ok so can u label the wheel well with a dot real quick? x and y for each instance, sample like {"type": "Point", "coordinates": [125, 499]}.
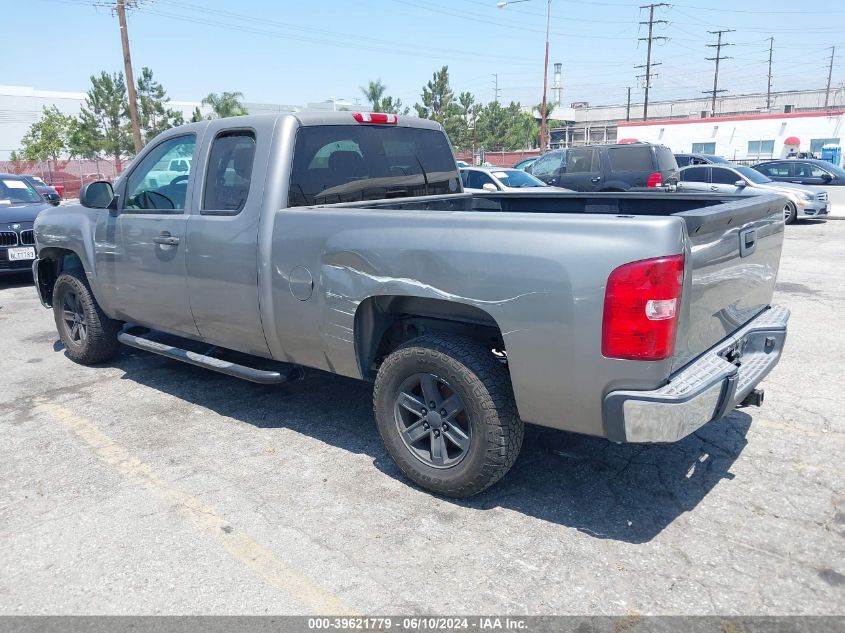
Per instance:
{"type": "Point", "coordinates": [52, 262]}
{"type": "Point", "coordinates": [384, 322]}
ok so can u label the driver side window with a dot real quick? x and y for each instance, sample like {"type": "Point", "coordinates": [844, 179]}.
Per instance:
{"type": "Point", "coordinates": [154, 184]}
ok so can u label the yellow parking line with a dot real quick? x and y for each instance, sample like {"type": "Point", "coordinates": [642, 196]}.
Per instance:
{"type": "Point", "coordinates": [240, 545]}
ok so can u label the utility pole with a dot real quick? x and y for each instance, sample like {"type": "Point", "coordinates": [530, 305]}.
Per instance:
{"type": "Point", "coordinates": [628, 107]}
{"type": "Point", "coordinates": [651, 37]}
{"type": "Point", "coordinates": [130, 80]}
{"type": "Point", "coordinates": [495, 87]}
{"type": "Point", "coordinates": [829, 75]}
{"type": "Point", "coordinates": [769, 89]}
{"type": "Point", "coordinates": [718, 46]}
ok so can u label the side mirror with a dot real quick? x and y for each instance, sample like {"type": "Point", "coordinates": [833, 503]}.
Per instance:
{"type": "Point", "coordinates": [489, 186]}
{"type": "Point", "coordinates": [741, 184]}
{"type": "Point", "coordinates": [827, 177]}
{"type": "Point", "coordinates": [96, 195]}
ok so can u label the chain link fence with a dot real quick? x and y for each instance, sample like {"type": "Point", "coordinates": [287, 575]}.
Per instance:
{"type": "Point", "coordinates": [67, 176]}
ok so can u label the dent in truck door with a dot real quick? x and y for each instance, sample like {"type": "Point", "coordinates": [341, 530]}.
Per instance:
{"type": "Point", "coordinates": [222, 257]}
{"type": "Point", "coordinates": [149, 261]}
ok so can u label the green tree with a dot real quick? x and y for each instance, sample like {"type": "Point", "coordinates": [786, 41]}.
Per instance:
{"type": "Point", "coordinates": [438, 103]}
{"type": "Point", "coordinates": [103, 125]}
{"type": "Point", "coordinates": [393, 106]}
{"type": "Point", "coordinates": [14, 156]}
{"type": "Point", "coordinates": [468, 111]}
{"type": "Point", "coordinates": [522, 129]}
{"type": "Point", "coordinates": [155, 117]}
{"type": "Point", "coordinates": [47, 138]}
{"type": "Point", "coordinates": [225, 105]}
{"type": "Point", "coordinates": [373, 93]}
{"type": "Point", "coordinates": [197, 115]}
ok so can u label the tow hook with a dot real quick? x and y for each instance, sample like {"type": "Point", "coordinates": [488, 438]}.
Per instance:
{"type": "Point", "coordinates": [755, 398]}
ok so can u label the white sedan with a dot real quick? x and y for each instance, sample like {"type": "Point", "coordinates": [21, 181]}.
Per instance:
{"type": "Point", "coordinates": [479, 179]}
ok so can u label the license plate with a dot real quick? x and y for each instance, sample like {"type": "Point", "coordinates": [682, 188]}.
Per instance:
{"type": "Point", "coordinates": [21, 254]}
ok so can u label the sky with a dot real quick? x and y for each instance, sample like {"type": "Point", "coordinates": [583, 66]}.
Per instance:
{"type": "Point", "coordinates": [294, 52]}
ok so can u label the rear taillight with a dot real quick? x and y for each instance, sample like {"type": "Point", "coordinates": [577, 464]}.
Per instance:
{"type": "Point", "coordinates": [654, 180]}
{"type": "Point", "coordinates": [375, 117]}
{"type": "Point", "coordinates": [641, 306]}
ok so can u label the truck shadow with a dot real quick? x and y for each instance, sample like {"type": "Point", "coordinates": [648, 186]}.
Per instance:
{"type": "Point", "coordinates": [622, 492]}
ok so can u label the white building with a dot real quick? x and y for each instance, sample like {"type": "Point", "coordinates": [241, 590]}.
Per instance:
{"type": "Point", "coordinates": [742, 137]}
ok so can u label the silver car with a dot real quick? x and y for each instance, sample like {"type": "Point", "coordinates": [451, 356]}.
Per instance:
{"type": "Point", "coordinates": [478, 179]}
{"type": "Point", "coordinates": [803, 201]}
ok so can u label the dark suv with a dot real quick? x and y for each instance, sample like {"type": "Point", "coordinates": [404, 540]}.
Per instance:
{"type": "Point", "coordinates": [608, 167]}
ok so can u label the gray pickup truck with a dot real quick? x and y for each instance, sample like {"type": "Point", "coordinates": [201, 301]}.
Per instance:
{"type": "Point", "coordinates": [344, 242]}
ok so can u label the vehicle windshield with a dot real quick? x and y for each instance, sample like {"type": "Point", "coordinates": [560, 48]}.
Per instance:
{"type": "Point", "coordinates": [38, 181]}
{"type": "Point", "coordinates": [752, 174]}
{"type": "Point", "coordinates": [17, 190]}
{"type": "Point", "coordinates": [517, 178]}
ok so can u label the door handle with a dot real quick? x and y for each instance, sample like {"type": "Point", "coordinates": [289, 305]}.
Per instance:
{"type": "Point", "coordinates": [166, 238]}
{"type": "Point", "coordinates": [596, 179]}
{"type": "Point", "coordinates": [714, 188]}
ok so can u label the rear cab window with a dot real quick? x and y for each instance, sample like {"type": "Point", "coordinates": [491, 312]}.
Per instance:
{"type": "Point", "coordinates": [349, 163]}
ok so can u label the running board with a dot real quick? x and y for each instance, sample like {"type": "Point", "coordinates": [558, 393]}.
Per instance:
{"type": "Point", "coordinates": [201, 360]}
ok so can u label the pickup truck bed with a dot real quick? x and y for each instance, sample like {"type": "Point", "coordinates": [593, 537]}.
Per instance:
{"type": "Point", "coordinates": [544, 281]}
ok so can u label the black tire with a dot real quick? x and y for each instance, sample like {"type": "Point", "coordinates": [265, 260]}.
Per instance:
{"type": "Point", "coordinates": [89, 336]}
{"type": "Point", "coordinates": [488, 423]}
{"type": "Point", "coordinates": [790, 213]}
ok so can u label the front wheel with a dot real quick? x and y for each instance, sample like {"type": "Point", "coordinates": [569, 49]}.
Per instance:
{"type": "Point", "coordinates": [445, 410]}
{"type": "Point", "coordinates": [89, 336]}
{"type": "Point", "coordinates": [790, 213]}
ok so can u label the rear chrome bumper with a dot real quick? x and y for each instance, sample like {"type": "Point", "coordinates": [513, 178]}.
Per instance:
{"type": "Point", "coordinates": [705, 390]}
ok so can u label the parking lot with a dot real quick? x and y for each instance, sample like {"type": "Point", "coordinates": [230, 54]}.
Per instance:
{"type": "Point", "coordinates": [149, 486]}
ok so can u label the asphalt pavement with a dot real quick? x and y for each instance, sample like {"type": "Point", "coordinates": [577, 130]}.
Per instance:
{"type": "Point", "coordinates": [146, 486]}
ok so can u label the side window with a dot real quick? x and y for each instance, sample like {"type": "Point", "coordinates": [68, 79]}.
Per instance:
{"type": "Point", "coordinates": [782, 170]}
{"type": "Point", "coordinates": [695, 174]}
{"type": "Point", "coordinates": [723, 176]}
{"type": "Point", "coordinates": [153, 186]}
{"type": "Point", "coordinates": [582, 160]}
{"type": "Point", "coordinates": [547, 165]}
{"type": "Point", "coordinates": [229, 172]}
{"type": "Point", "coordinates": [816, 171]}
{"type": "Point", "coordinates": [465, 178]}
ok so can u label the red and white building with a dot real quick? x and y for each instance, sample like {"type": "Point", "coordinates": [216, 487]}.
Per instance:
{"type": "Point", "coordinates": [742, 137]}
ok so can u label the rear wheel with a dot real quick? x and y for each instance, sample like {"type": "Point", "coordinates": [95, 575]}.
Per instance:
{"type": "Point", "coordinates": [445, 410]}
{"type": "Point", "coordinates": [89, 336]}
{"type": "Point", "coordinates": [790, 213]}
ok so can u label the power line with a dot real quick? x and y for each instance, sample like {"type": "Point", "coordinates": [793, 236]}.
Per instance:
{"type": "Point", "coordinates": [651, 37]}
{"type": "Point", "coordinates": [829, 75]}
{"type": "Point", "coordinates": [718, 46]}
{"type": "Point", "coordinates": [496, 87]}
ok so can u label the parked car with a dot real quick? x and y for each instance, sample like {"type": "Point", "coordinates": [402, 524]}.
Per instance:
{"type": "Point", "coordinates": [608, 167]}
{"type": "Point", "coordinates": [699, 159]}
{"type": "Point", "coordinates": [804, 172]}
{"type": "Point", "coordinates": [802, 202]}
{"type": "Point", "coordinates": [49, 193]}
{"type": "Point", "coordinates": [594, 313]}
{"type": "Point", "coordinates": [20, 203]}
{"type": "Point", "coordinates": [525, 163]}
{"type": "Point", "coordinates": [478, 179]}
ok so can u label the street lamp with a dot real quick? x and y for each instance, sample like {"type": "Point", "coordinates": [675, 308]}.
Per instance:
{"type": "Point", "coordinates": [502, 5]}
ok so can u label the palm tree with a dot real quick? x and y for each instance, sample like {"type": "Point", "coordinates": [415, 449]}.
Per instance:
{"type": "Point", "coordinates": [226, 104]}
{"type": "Point", "coordinates": [374, 92]}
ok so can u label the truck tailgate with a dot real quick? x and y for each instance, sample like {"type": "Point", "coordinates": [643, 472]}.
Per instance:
{"type": "Point", "coordinates": [735, 253]}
